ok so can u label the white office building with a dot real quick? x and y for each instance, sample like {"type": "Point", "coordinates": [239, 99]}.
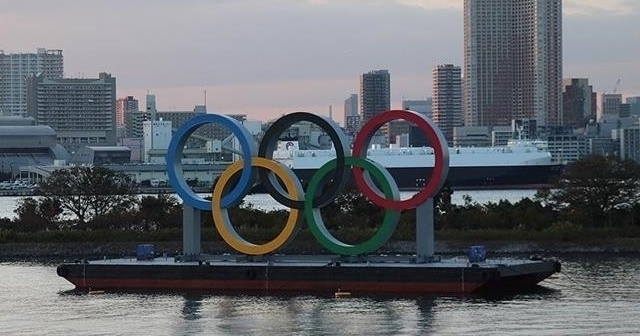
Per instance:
{"type": "Point", "coordinates": [157, 136]}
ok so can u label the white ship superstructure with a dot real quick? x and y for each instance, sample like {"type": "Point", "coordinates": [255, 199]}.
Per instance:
{"type": "Point", "coordinates": [516, 153]}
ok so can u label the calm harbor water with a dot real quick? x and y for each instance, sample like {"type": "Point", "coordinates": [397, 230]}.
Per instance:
{"type": "Point", "coordinates": [263, 201]}
{"type": "Point", "coordinates": [594, 295]}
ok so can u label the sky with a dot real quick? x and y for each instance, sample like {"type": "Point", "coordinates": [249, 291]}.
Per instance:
{"type": "Point", "coordinates": [265, 58]}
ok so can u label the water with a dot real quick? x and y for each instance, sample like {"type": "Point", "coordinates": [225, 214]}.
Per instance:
{"type": "Point", "coordinates": [594, 295]}
{"type": "Point", "coordinates": [266, 202]}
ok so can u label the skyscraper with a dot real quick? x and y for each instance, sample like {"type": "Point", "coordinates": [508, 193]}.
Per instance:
{"type": "Point", "coordinates": [512, 62]}
{"type": "Point", "coordinates": [576, 100]}
{"type": "Point", "coordinates": [375, 93]}
{"type": "Point", "coordinates": [375, 97]}
{"type": "Point", "coordinates": [447, 98]}
{"type": "Point", "coordinates": [14, 69]}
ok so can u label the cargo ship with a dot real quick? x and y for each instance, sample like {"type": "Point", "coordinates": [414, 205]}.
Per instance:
{"type": "Point", "coordinates": [521, 164]}
{"type": "Point", "coordinates": [307, 274]}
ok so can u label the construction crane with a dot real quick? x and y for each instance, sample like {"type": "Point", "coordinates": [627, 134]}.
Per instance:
{"type": "Point", "coordinates": [615, 88]}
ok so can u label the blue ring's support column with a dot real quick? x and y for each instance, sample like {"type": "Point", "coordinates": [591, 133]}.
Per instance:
{"type": "Point", "coordinates": [190, 233]}
{"type": "Point", "coordinates": [424, 231]}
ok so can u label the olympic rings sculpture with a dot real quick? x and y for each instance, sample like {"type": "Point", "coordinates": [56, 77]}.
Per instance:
{"type": "Point", "coordinates": [324, 186]}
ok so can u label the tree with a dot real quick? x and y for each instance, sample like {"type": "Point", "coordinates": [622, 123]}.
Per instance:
{"type": "Point", "coordinates": [589, 189]}
{"type": "Point", "coordinates": [88, 192]}
{"type": "Point", "coordinates": [163, 211]}
{"type": "Point", "coordinates": [34, 215]}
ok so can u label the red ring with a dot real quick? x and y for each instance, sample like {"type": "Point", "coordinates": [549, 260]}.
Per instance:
{"type": "Point", "coordinates": [441, 162]}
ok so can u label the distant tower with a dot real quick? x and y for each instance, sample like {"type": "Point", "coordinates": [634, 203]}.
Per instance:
{"type": "Point", "coordinates": [151, 106]}
{"type": "Point", "coordinates": [351, 116]}
{"type": "Point", "coordinates": [14, 70]}
{"type": "Point", "coordinates": [375, 98]}
{"type": "Point", "coordinates": [512, 62]}
{"type": "Point", "coordinates": [375, 93]}
{"type": "Point", "coordinates": [447, 98]}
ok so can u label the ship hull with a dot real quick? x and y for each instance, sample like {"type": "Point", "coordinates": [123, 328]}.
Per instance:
{"type": "Point", "coordinates": [487, 177]}
{"type": "Point", "coordinates": [317, 276]}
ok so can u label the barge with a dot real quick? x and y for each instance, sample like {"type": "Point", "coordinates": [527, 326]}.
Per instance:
{"type": "Point", "coordinates": [305, 274]}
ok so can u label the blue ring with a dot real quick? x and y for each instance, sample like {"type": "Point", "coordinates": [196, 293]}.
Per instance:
{"type": "Point", "coordinates": [174, 160]}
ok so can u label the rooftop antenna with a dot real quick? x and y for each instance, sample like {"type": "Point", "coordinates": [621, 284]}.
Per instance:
{"type": "Point", "coordinates": [331, 112]}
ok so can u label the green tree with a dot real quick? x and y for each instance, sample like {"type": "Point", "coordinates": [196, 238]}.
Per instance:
{"type": "Point", "coordinates": [34, 215]}
{"type": "Point", "coordinates": [88, 192]}
{"type": "Point", "coordinates": [163, 211]}
{"type": "Point", "coordinates": [589, 190]}
{"type": "Point", "coordinates": [351, 208]}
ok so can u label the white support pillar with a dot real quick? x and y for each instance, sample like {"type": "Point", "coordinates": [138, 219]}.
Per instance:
{"type": "Point", "coordinates": [190, 232]}
{"type": "Point", "coordinates": [424, 231]}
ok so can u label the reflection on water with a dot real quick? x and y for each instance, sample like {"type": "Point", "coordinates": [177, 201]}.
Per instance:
{"type": "Point", "coordinates": [271, 315]}
{"type": "Point", "coordinates": [192, 306]}
{"type": "Point", "coordinates": [596, 295]}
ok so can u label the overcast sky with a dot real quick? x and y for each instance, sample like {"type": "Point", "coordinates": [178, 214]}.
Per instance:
{"type": "Point", "coordinates": [269, 57]}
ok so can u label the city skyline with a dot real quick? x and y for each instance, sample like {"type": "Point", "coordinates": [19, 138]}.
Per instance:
{"type": "Point", "coordinates": [267, 58]}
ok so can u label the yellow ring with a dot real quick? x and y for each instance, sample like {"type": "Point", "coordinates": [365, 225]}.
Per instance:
{"type": "Point", "coordinates": [221, 217]}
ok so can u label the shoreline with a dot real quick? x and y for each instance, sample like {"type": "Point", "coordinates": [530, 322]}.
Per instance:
{"type": "Point", "coordinates": [61, 252]}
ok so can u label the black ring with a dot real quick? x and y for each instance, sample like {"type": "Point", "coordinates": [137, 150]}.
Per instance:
{"type": "Point", "coordinates": [268, 145]}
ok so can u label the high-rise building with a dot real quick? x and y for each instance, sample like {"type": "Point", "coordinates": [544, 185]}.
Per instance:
{"type": "Point", "coordinates": [512, 62]}
{"type": "Point", "coordinates": [417, 138]}
{"type": "Point", "coordinates": [151, 106]}
{"type": "Point", "coordinates": [125, 106]}
{"type": "Point", "coordinates": [81, 110]}
{"type": "Point", "coordinates": [634, 105]}
{"type": "Point", "coordinates": [577, 109]}
{"type": "Point", "coordinates": [423, 106]}
{"type": "Point", "coordinates": [610, 105]}
{"type": "Point", "coordinates": [447, 99]}
{"type": "Point", "coordinates": [351, 116]}
{"type": "Point", "coordinates": [14, 70]}
{"type": "Point", "coordinates": [375, 93]}
{"type": "Point", "coordinates": [375, 98]}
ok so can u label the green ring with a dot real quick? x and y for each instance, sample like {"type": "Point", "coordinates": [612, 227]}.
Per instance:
{"type": "Point", "coordinates": [389, 223]}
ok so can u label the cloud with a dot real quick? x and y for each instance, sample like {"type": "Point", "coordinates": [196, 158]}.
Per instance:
{"type": "Point", "coordinates": [432, 4]}
{"type": "Point", "coordinates": [595, 7]}
{"type": "Point", "coordinates": [571, 7]}
{"type": "Point", "coordinates": [424, 4]}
